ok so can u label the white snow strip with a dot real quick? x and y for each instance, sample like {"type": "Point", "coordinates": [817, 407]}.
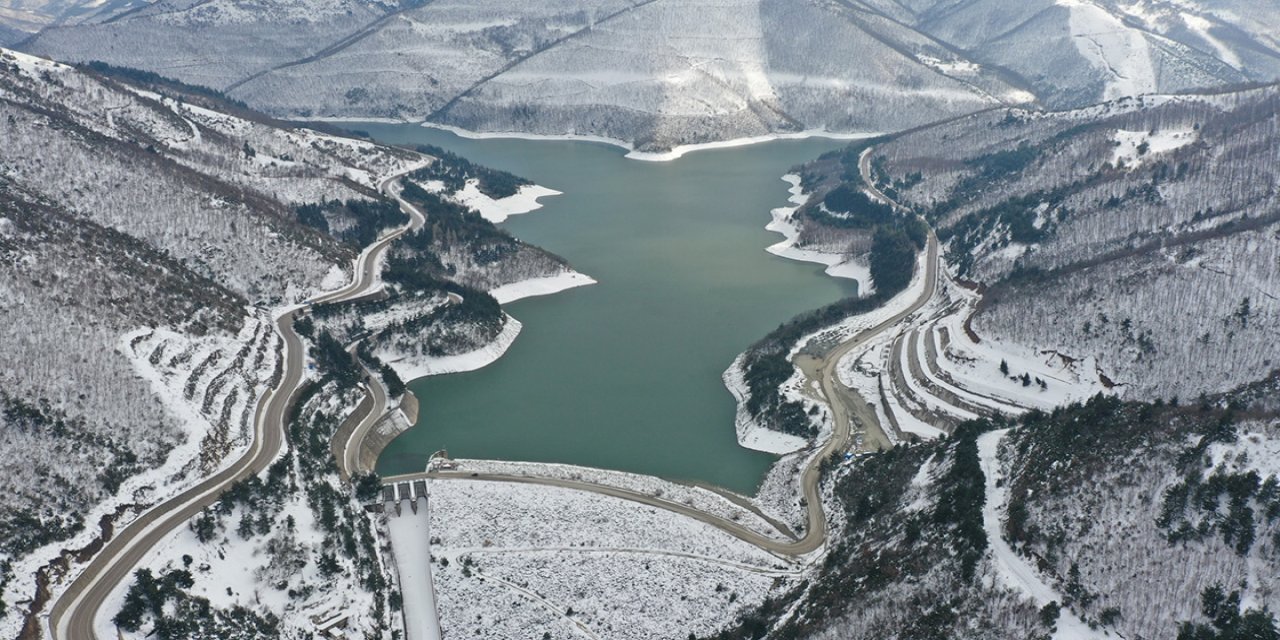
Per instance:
{"type": "Point", "coordinates": [540, 286]}
{"type": "Point", "coordinates": [497, 211]}
{"type": "Point", "coordinates": [650, 156]}
{"type": "Point", "coordinates": [1011, 568]}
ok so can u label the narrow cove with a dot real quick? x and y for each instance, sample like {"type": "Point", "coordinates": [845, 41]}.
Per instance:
{"type": "Point", "coordinates": [625, 374]}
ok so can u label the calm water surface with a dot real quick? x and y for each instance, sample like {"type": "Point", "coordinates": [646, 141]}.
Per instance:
{"type": "Point", "coordinates": [625, 374]}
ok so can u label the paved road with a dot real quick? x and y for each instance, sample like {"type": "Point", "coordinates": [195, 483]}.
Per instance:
{"type": "Point", "coordinates": [72, 616]}
{"type": "Point", "coordinates": [349, 460]}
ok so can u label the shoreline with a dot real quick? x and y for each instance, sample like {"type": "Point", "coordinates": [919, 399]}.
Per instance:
{"type": "Point", "coordinates": [413, 368]}
{"type": "Point", "coordinates": [645, 156]}
{"type": "Point", "coordinates": [674, 153]}
{"type": "Point", "coordinates": [837, 265]}
{"type": "Point", "coordinates": [541, 286]}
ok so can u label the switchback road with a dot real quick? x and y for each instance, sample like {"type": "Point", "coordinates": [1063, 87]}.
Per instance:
{"type": "Point", "coordinates": [73, 614]}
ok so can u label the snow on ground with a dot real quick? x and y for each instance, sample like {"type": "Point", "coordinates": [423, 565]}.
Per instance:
{"type": "Point", "coordinates": [1120, 52]}
{"type": "Point", "coordinates": [182, 466]}
{"type": "Point", "coordinates": [865, 373]}
{"type": "Point", "coordinates": [1135, 147]}
{"type": "Point", "coordinates": [918, 390]}
{"type": "Point", "coordinates": [258, 573]}
{"type": "Point", "coordinates": [410, 367]}
{"type": "Point", "coordinates": [665, 156]}
{"type": "Point", "coordinates": [409, 532]}
{"type": "Point", "coordinates": [540, 286]}
{"type": "Point", "coordinates": [838, 265]}
{"type": "Point", "coordinates": [517, 561]}
{"type": "Point", "coordinates": [1202, 28]}
{"type": "Point", "coordinates": [751, 434]}
{"type": "Point", "coordinates": [702, 499]}
{"type": "Point", "coordinates": [414, 367]}
{"type": "Point", "coordinates": [496, 211]}
{"type": "Point", "coordinates": [1012, 569]}
{"type": "Point", "coordinates": [976, 367]}
{"type": "Point", "coordinates": [335, 279]}
{"type": "Point", "coordinates": [272, 571]}
{"type": "Point", "coordinates": [778, 493]}
{"type": "Point", "coordinates": [1251, 451]}
{"type": "Point", "coordinates": [680, 150]}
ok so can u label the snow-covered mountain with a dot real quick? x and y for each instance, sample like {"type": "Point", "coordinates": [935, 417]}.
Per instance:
{"type": "Point", "coordinates": [1140, 232]}
{"type": "Point", "coordinates": [1099, 520]}
{"type": "Point", "coordinates": [149, 232]}
{"type": "Point", "coordinates": [19, 19]}
{"type": "Point", "coordinates": [659, 73]}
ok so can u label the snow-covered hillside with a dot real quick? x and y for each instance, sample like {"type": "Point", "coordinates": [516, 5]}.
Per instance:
{"type": "Point", "coordinates": [660, 73]}
{"type": "Point", "coordinates": [1101, 519]}
{"type": "Point", "coordinates": [149, 235]}
{"type": "Point", "coordinates": [1140, 233]}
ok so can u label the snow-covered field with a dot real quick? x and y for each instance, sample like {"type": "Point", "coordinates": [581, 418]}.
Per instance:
{"type": "Point", "coordinates": [700, 498]}
{"type": "Point", "coordinates": [560, 560]}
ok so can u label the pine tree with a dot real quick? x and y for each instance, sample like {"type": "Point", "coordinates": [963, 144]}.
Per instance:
{"type": "Point", "coordinates": [246, 526]}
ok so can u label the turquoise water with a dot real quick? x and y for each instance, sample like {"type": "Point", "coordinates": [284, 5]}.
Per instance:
{"type": "Point", "coordinates": [625, 374]}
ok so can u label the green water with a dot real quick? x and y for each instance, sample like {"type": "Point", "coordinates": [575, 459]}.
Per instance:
{"type": "Point", "coordinates": [625, 374]}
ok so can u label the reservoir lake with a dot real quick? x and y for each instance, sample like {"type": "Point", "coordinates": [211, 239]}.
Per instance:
{"type": "Point", "coordinates": [626, 374]}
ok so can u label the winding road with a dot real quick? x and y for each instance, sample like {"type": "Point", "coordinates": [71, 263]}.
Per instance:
{"type": "Point", "coordinates": [73, 613]}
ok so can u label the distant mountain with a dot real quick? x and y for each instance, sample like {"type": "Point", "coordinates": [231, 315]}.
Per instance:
{"type": "Point", "coordinates": [664, 72]}
{"type": "Point", "coordinates": [19, 19]}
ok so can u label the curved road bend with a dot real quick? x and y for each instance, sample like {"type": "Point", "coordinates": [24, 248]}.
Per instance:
{"type": "Point", "coordinates": [73, 614]}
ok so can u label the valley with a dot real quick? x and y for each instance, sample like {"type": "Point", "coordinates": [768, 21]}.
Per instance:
{"type": "Point", "coordinates": [639, 320]}
{"type": "Point", "coordinates": [678, 250]}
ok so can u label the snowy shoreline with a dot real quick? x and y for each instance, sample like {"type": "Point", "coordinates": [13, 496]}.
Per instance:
{"type": "Point", "coordinates": [837, 265]}
{"type": "Point", "coordinates": [647, 156]}
{"type": "Point", "coordinates": [497, 211]}
{"type": "Point", "coordinates": [524, 200]}
{"type": "Point", "coordinates": [751, 434]}
{"type": "Point", "coordinates": [543, 286]}
{"type": "Point", "coordinates": [413, 367]}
